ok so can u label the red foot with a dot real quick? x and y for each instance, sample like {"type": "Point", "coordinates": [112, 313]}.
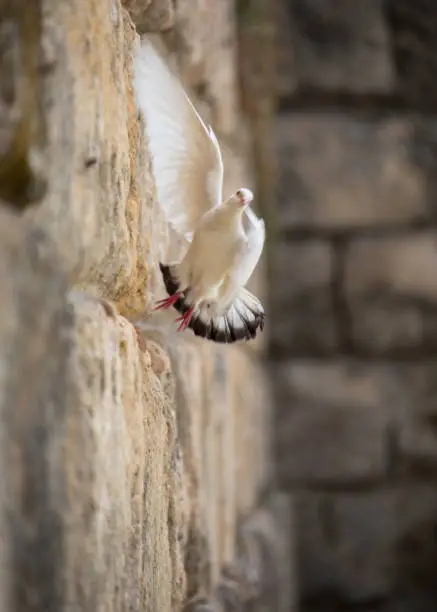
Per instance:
{"type": "Point", "coordinates": [185, 319]}
{"type": "Point", "coordinates": [167, 302]}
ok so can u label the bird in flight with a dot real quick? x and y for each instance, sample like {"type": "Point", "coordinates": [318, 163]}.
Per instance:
{"type": "Point", "coordinates": [223, 239]}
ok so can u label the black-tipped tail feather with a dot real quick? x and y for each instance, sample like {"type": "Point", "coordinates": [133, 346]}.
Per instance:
{"type": "Point", "coordinates": [241, 321]}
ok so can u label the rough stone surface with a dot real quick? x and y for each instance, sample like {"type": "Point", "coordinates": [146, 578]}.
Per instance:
{"type": "Point", "coordinates": [95, 462]}
{"type": "Point", "coordinates": [33, 358]}
{"type": "Point", "coordinates": [391, 291]}
{"type": "Point", "coordinates": [134, 482]}
{"type": "Point", "coordinates": [341, 45]}
{"type": "Point", "coordinates": [342, 172]}
{"type": "Point", "coordinates": [97, 167]}
{"type": "Point", "coordinates": [131, 458]}
{"type": "Point", "coordinates": [262, 574]}
{"type": "Point", "coordinates": [204, 39]}
{"type": "Point", "coordinates": [149, 498]}
{"type": "Point", "coordinates": [225, 442]}
{"type": "Point", "coordinates": [150, 15]}
{"type": "Point", "coordinates": [302, 276]}
{"type": "Point", "coordinates": [333, 423]}
{"type": "Point", "coordinates": [22, 126]}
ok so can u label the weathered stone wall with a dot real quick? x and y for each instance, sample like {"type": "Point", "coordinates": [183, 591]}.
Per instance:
{"type": "Point", "coordinates": [135, 476]}
{"type": "Point", "coordinates": [354, 299]}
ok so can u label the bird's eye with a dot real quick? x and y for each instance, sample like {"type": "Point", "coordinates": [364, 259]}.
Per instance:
{"type": "Point", "coordinates": [239, 194]}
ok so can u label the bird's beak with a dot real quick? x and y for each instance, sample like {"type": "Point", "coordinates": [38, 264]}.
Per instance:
{"type": "Point", "coordinates": [242, 200]}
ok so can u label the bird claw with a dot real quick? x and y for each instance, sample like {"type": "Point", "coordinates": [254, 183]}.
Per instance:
{"type": "Point", "coordinates": [185, 319]}
{"type": "Point", "coordinates": [167, 302]}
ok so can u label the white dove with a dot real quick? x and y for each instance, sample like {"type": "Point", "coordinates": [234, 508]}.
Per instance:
{"type": "Point", "coordinates": [207, 286]}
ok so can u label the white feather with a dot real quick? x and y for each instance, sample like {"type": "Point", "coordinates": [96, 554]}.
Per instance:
{"type": "Point", "coordinates": [188, 171]}
{"type": "Point", "coordinates": [246, 261]}
{"type": "Point", "coordinates": [186, 157]}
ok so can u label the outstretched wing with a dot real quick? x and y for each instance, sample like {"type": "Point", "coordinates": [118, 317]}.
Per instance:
{"type": "Point", "coordinates": [186, 157]}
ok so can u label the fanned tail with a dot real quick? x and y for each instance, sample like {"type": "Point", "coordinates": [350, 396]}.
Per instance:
{"type": "Point", "coordinates": [241, 321]}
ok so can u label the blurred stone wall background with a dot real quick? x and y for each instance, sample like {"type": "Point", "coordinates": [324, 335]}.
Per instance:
{"type": "Point", "coordinates": [354, 299]}
{"type": "Point", "coordinates": [135, 475]}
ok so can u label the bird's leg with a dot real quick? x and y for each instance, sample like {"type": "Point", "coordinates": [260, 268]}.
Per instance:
{"type": "Point", "coordinates": [185, 319]}
{"type": "Point", "coordinates": [167, 302]}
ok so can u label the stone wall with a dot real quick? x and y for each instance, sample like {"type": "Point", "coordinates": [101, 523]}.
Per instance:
{"type": "Point", "coordinates": [354, 299]}
{"type": "Point", "coordinates": [136, 475]}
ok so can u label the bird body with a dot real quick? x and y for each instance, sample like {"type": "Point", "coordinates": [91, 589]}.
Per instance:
{"type": "Point", "coordinates": [207, 285]}
{"type": "Point", "coordinates": [220, 231]}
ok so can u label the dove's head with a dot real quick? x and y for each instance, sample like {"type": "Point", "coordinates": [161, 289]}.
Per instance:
{"type": "Point", "coordinates": [243, 197]}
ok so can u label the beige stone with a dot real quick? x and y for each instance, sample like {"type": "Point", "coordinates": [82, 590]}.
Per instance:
{"type": "Point", "coordinates": [137, 9]}
{"type": "Point", "coordinates": [342, 46]}
{"type": "Point", "coordinates": [23, 179]}
{"type": "Point", "coordinates": [262, 570]}
{"type": "Point", "coordinates": [332, 423]}
{"type": "Point", "coordinates": [301, 295]}
{"type": "Point", "coordinates": [100, 199]}
{"type": "Point", "coordinates": [390, 289]}
{"type": "Point", "coordinates": [124, 427]}
{"type": "Point", "coordinates": [404, 265]}
{"type": "Point", "coordinates": [204, 40]}
{"type": "Point", "coordinates": [224, 438]}
{"type": "Point", "coordinates": [95, 429]}
{"type": "Point", "coordinates": [131, 460]}
{"type": "Point", "coordinates": [350, 172]}
{"type": "Point", "coordinates": [150, 15]}
{"type": "Point", "coordinates": [252, 416]}
{"type": "Point", "coordinates": [33, 365]}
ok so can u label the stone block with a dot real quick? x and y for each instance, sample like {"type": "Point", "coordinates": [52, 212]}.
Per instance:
{"type": "Point", "coordinates": [344, 422]}
{"type": "Point", "coordinates": [342, 46]}
{"type": "Point", "coordinates": [23, 179]}
{"type": "Point", "coordinates": [413, 25]}
{"type": "Point", "coordinates": [34, 365]}
{"type": "Point", "coordinates": [286, 79]}
{"type": "Point", "coordinates": [250, 399]}
{"type": "Point", "coordinates": [301, 296]}
{"type": "Point", "coordinates": [150, 15]}
{"type": "Point", "coordinates": [262, 575]}
{"type": "Point", "coordinates": [92, 493]}
{"type": "Point", "coordinates": [332, 422]}
{"type": "Point", "coordinates": [100, 198]}
{"type": "Point", "coordinates": [205, 42]}
{"type": "Point", "coordinates": [224, 433]}
{"type": "Point", "coordinates": [270, 529]}
{"type": "Point", "coordinates": [416, 420]}
{"type": "Point", "coordinates": [124, 464]}
{"type": "Point", "coordinates": [126, 499]}
{"type": "Point", "coordinates": [189, 364]}
{"type": "Point", "coordinates": [107, 192]}
{"type": "Point", "coordinates": [362, 548]}
{"type": "Point", "coordinates": [344, 172]}
{"type": "Point", "coordinates": [391, 291]}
